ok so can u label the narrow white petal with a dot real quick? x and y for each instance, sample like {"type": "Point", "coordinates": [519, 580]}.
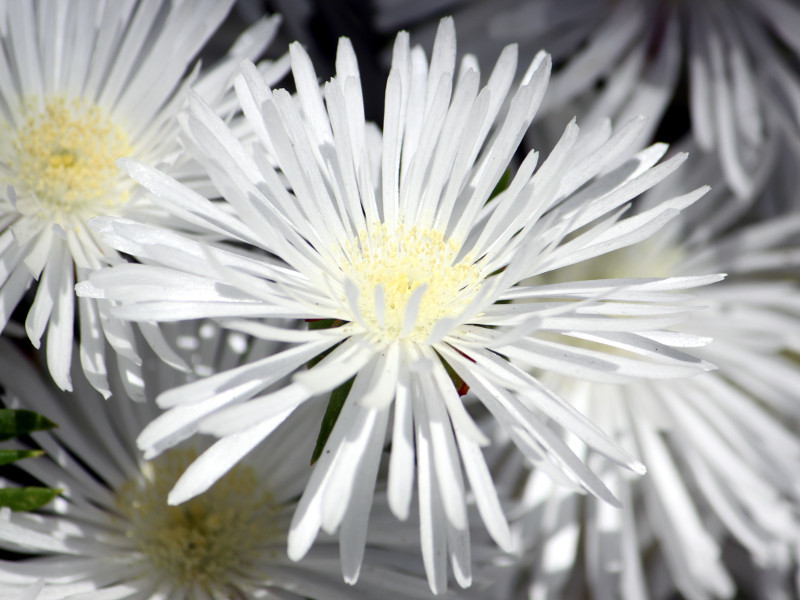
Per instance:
{"type": "Point", "coordinates": [401, 461]}
{"type": "Point", "coordinates": [220, 458]}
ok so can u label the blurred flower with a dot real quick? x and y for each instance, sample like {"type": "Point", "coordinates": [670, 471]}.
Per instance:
{"type": "Point", "coordinates": [721, 448]}
{"type": "Point", "coordinates": [403, 263]}
{"type": "Point", "coordinates": [112, 533]}
{"type": "Point", "coordinates": [622, 58]}
{"type": "Point", "coordinates": [82, 84]}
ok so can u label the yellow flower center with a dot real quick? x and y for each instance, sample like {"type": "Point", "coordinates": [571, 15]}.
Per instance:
{"type": "Point", "coordinates": [401, 261]}
{"type": "Point", "coordinates": [63, 155]}
{"type": "Point", "coordinates": [205, 540]}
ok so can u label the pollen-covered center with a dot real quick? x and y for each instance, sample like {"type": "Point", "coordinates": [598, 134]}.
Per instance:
{"type": "Point", "coordinates": [401, 261]}
{"type": "Point", "coordinates": [63, 155]}
{"type": "Point", "coordinates": [203, 542]}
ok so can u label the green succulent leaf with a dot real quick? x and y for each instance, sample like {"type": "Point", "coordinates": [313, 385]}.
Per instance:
{"type": "Point", "coordinates": [502, 185]}
{"type": "Point", "coordinates": [10, 456]}
{"type": "Point", "coordinates": [14, 423]}
{"type": "Point", "coordinates": [26, 498]}
{"type": "Point", "coordinates": [335, 404]}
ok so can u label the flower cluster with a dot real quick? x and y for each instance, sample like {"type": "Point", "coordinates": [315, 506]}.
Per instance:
{"type": "Point", "coordinates": [469, 328]}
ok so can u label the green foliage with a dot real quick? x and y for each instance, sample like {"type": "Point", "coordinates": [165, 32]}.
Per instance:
{"type": "Point", "coordinates": [26, 498]}
{"type": "Point", "coordinates": [324, 323]}
{"type": "Point", "coordinates": [502, 185]}
{"type": "Point", "coordinates": [14, 423]}
{"type": "Point", "coordinates": [10, 456]}
{"type": "Point", "coordinates": [338, 396]}
{"type": "Point", "coordinates": [335, 404]}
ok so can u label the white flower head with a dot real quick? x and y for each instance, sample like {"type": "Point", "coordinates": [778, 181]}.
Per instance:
{"type": "Point", "coordinates": [396, 243]}
{"type": "Point", "coordinates": [720, 450]}
{"type": "Point", "coordinates": [111, 532]}
{"type": "Point", "coordinates": [81, 85]}
{"type": "Point", "coordinates": [620, 59]}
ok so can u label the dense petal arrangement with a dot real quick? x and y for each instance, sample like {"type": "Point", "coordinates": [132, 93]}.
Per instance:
{"type": "Point", "coordinates": [397, 252]}
{"type": "Point", "coordinates": [80, 86]}
{"type": "Point", "coordinates": [739, 58]}
{"type": "Point", "coordinates": [112, 534]}
{"type": "Point", "coordinates": [720, 448]}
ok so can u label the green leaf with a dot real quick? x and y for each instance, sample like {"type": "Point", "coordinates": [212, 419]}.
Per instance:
{"type": "Point", "coordinates": [335, 404]}
{"type": "Point", "coordinates": [324, 323]}
{"type": "Point", "coordinates": [10, 456]}
{"type": "Point", "coordinates": [502, 185]}
{"type": "Point", "coordinates": [27, 498]}
{"type": "Point", "coordinates": [18, 422]}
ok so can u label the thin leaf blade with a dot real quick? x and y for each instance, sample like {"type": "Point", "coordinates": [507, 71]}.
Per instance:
{"type": "Point", "coordinates": [335, 404]}
{"type": "Point", "coordinates": [10, 456]}
{"type": "Point", "coordinates": [16, 422]}
{"type": "Point", "coordinates": [27, 498]}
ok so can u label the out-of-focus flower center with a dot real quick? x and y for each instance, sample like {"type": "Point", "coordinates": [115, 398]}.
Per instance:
{"type": "Point", "coordinates": [63, 155]}
{"type": "Point", "coordinates": [204, 541]}
{"type": "Point", "coordinates": [654, 257]}
{"type": "Point", "coordinates": [401, 261]}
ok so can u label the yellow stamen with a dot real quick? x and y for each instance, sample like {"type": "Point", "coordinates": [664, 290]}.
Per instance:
{"type": "Point", "coordinates": [202, 541]}
{"type": "Point", "coordinates": [402, 260]}
{"type": "Point", "coordinates": [64, 156]}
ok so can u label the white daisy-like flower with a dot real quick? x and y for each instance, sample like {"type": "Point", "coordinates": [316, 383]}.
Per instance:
{"type": "Point", "coordinates": [82, 84]}
{"type": "Point", "coordinates": [394, 243]}
{"type": "Point", "coordinates": [739, 57]}
{"type": "Point", "coordinates": [720, 448]}
{"type": "Point", "coordinates": [111, 533]}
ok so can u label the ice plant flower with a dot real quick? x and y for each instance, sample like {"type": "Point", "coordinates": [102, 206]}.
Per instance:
{"type": "Point", "coordinates": [719, 448]}
{"type": "Point", "coordinates": [111, 533]}
{"type": "Point", "coordinates": [397, 245]}
{"type": "Point", "coordinates": [739, 57]}
{"type": "Point", "coordinates": [82, 85]}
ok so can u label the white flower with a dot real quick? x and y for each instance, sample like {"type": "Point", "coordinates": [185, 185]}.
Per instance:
{"type": "Point", "coordinates": [395, 241]}
{"type": "Point", "coordinates": [719, 448]}
{"type": "Point", "coordinates": [82, 84]}
{"type": "Point", "coordinates": [739, 57]}
{"type": "Point", "coordinates": [111, 533]}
